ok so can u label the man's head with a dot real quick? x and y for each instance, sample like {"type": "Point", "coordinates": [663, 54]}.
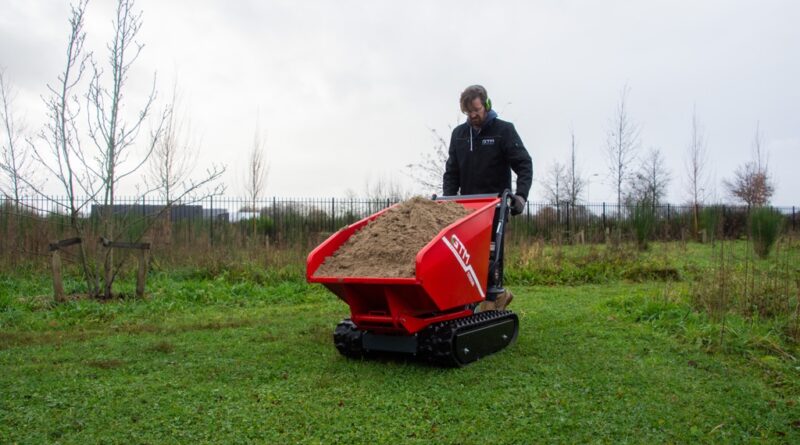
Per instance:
{"type": "Point", "coordinates": [475, 104]}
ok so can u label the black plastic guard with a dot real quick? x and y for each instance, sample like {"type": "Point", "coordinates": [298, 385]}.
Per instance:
{"type": "Point", "coordinates": [483, 334]}
{"type": "Point", "coordinates": [480, 341]}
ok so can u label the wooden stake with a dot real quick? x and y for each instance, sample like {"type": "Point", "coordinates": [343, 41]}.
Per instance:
{"type": "Point", "coordinates": [141, 277]}
{"type": "Point", "coordinates": [58, 285]}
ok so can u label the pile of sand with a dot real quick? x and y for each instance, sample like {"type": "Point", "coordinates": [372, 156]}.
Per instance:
{"type": "Point", "coordinates": [388, 246]}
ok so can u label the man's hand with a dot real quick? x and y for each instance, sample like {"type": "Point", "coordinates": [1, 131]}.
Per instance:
{"type": "Point", "coordinates": [517, 205]}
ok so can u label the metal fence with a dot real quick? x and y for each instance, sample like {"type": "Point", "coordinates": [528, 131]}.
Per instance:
{"type": "Point", "coordinates": [231, 221]}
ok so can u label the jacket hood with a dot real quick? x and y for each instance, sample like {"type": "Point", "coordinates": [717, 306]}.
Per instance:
{"type": "Point", "coordinates": [490, 116]}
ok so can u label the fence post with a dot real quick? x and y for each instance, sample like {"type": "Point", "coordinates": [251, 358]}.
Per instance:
{"type": "Point", "coordinates": [211, 220]}
{"type": "Point", "coordinates": [558, 221]}
{"type": "Point", "coordinates": [569, 223]}
{"type": "Point", "coordinates": [668, 232]}
{"type": "Point", "coordinates": [333, 214]}
{"type": "Point", "coordinates": [274, 218]}
{"type": "Point", "coordinates": [794, 221]}
{"type": "Point", "coordinates": [604, 217]}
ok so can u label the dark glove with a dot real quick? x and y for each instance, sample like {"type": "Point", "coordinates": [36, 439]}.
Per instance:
{"type": "Point", "coordinates": [517, 205]}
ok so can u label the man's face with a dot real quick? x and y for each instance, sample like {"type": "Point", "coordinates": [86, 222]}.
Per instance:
{"type": "Point", "coordinates": [476, 112]}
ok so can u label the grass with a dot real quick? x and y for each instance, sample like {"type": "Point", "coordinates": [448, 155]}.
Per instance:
{"type": "Point", "coordinates": [219, 358]}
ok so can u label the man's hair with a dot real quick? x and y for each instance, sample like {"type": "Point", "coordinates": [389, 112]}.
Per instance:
{"type": "Point", "coordinates": [469, 95]}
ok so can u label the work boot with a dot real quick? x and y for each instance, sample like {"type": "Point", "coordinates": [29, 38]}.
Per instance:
{"type": "Point", "coordinates": [487, 305]}
{"type": "Point", "coordinates": [503, 300]}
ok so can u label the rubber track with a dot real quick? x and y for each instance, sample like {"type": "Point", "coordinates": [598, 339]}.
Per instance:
{"type": "Point", "coordinates": [437, 341]}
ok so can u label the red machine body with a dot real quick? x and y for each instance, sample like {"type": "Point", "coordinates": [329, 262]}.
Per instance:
{"type": "Point", "coordinates": [451, 275]}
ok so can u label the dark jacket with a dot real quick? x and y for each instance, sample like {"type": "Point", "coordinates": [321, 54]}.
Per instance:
{"type": "Point", "coordinates": [481, 161]}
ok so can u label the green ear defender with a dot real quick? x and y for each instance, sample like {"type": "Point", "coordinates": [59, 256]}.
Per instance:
{"type": "Point", "coordinates": [488, 104]}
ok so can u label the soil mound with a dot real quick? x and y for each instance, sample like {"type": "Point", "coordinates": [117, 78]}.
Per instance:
{"type": "Point", "coordinates": [388, 246]}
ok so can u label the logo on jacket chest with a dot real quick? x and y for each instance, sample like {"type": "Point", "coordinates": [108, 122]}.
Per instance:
{"type": "Point", "coordinates": [487, 142]}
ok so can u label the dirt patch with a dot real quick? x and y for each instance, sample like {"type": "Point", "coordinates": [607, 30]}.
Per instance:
{"type": "Point", "coordinates": [105, 364]}
{"type": "Point", "coordinates": [642, 273]}
{"type": "Point", "coordinates": [388, 246]}
{"type": "Point", "coordinates": [163, 347]}
{"type": "Point", "coordinates": [146, 328]}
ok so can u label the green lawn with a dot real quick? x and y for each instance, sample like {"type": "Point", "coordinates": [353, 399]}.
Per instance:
{"type": "Point", "coordinates": [229, 361]}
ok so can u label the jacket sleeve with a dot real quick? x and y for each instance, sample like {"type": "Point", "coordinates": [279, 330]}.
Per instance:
{"type": "Point", "coordinates": [520, 162]}
{"type": "Point", "coordinates": [452, 178]}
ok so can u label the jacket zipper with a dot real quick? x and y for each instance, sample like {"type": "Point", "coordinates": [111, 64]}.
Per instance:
{"type": "Point", "coordinates": [470, 138]}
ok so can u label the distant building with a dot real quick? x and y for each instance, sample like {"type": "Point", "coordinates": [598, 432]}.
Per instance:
{"type": "Point", "coordinates": [177, 212]}
{"type": "Point", "coordinates": [216, 214]}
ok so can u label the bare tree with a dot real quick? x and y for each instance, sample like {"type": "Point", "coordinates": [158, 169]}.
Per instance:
{"type": "Point", "coordinates": [171, 167]}
{"type": "Point", "coordinates": [622, 144]}
{"type": "Point", "coordinates": [112, 134]}
{"type": "Point", "coordinates": [573, 181]}
{"type": "Point", "coordinates": [554, 183]}
{"type": "Point", "coordinates": [174, 155]}
{"type": "Point", "coordinates": [752, 182]}
{"type": "Point", "coordinates": [15, 158]}
{"type": "Point", "coordinates": [649, 184]}
{"type": "Point", "coordinates": [57, 148]}
{"type": "Point", "coordinates": [92, 176]}
{"type": "Point", "coordinates": [429, 171]}
{"type": "Point", "coordinates": [696, 174]}
{"type": "Point", "coordinates": [257, 171]}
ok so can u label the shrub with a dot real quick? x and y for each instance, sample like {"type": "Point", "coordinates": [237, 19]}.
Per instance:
{"type": "Point", "coordinates": [765, 227]}
{"type": "Point", "coordinates": [264, 225]}
{"type": "Point", "coordinates": [734, 222]}
{"type": "Point", "coordinates": [711, 222]}
{"type": "Point", "coordinates": [643, 222]}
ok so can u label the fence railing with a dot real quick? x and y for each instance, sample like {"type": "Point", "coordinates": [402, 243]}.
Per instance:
{"type": "Point", "coordinates": [230, 221]}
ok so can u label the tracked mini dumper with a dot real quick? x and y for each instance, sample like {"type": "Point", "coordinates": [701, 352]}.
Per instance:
{"type": "Point", "coordinates": [432, 315]}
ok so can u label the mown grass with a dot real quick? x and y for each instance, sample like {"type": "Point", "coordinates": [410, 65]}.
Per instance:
{"type": "Point", "coordinates": [216, 357]}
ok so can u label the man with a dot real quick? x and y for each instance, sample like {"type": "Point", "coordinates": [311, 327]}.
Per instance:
{"type": "Point", "coordinates": [483, 152]}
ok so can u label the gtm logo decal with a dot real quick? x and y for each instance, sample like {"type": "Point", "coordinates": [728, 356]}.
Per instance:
{"type": "Point", "coordinates": [487, 142]}
{"type": "Point", "coordinates": [462, 256]}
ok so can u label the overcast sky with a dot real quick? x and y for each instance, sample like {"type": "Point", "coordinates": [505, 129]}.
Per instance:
{"type": "Point", "coordinates": [346, 91]}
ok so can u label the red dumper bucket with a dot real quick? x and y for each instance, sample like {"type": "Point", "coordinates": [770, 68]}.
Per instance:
{"type": "Point", "coordinates": [429, 316]}
{"type": "Point", "coordinates": [451, 274]}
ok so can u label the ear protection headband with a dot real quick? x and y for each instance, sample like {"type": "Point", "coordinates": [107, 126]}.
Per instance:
{"type": "Point", "coordinates": [488, 104]}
